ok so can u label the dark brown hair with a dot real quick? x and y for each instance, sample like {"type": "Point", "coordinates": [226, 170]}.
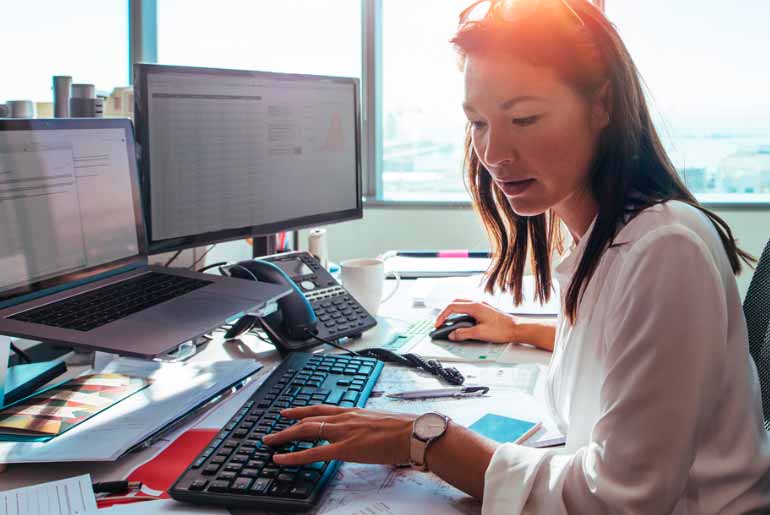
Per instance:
{"type": "Point", "coordinates": [630, 171]}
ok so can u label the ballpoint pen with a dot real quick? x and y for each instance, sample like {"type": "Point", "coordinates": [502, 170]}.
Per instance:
{"type": "Point", "coordinates": [461, 391]}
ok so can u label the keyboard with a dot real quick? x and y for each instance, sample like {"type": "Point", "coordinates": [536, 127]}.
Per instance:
{"type": "Point", "coordinates": [101, 306]}
{"type": "Point", "coordinates": [236, 467]}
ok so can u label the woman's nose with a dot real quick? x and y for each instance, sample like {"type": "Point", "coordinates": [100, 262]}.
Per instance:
{"type": "Point", "coordinates": [499, 149]}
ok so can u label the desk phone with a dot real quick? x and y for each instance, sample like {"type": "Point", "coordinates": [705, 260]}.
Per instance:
{"type": "Point", "coordinates": [318, 309]}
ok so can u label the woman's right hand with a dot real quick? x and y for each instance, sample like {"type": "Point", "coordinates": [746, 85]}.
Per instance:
{"type": "Point", "coordinates": [492, 325]}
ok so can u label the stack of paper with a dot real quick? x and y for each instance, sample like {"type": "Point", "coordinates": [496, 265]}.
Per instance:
{"type": "Point", "coordinates": [176, 389]}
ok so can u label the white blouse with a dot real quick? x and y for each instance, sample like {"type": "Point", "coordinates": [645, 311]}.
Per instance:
{"type": "Point", "coordinates": [653, 386]}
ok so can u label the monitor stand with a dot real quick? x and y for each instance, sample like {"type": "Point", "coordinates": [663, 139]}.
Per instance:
{"type": "Point", "coordinates": [268, 245]}
{"type": "Point", "coordinates": [264, 245]}
{"type": "Point", "coordinates": [22, 380]}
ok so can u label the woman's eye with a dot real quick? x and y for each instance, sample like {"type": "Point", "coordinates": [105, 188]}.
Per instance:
{"type": "Point", "coordinates": [523, 122]}
{"type": "Point", "coordinates": [478, 125]}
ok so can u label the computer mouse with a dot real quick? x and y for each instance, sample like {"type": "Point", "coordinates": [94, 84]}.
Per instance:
{"type": "Point", "coordinates": [450, 324]}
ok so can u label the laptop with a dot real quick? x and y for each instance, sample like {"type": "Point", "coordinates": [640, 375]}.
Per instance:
{"type": "Point", "coordinates": [73, 259]}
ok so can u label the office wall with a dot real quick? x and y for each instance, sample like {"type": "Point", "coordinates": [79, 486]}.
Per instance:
{"type": "Point", "coordinates": [401, 228]}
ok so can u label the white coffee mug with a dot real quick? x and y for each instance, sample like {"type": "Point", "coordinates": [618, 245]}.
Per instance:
{"type": "Point", "coordinates": [364, 278]}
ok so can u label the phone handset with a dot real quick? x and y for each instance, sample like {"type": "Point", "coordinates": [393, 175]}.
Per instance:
{"type": "Point", "coordinates": [294, 321]}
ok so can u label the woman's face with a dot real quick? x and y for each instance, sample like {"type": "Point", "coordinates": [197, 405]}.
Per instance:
{"type": "Point", "coordinates": [535, 134]}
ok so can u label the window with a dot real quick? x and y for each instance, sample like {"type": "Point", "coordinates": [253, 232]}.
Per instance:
{"type": "Point", "coordinates": [294, 36]}
{"type": "Point", "coordinates": [423, 125]}
{"type": "Point", "coordinates": [704, 64]}
{"type": "Point", "coordinates": [43, 38]}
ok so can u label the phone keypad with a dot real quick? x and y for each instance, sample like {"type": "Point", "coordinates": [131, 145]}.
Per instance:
{"type": "Point", "coordinates": [341, 315]}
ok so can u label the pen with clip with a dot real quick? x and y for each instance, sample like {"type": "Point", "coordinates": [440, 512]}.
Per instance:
{"type": "Point", "coordinates": [460, 391]}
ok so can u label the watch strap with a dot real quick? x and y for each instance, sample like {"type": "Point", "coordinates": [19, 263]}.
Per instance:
{"type": "Point", "coordinates": [417, 451]}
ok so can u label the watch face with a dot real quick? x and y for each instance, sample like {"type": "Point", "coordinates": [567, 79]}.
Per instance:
{"type": "Point", "coordinates": [429, 426]}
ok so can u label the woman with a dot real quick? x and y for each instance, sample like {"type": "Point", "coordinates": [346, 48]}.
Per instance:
{"type": "Point", "coordinates": [650, 379]}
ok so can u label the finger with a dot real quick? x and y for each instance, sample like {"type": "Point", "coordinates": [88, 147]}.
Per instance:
{"type": "Point", "coordinates": [302, 431]}
{"type": "Point", "coordinates": [317, 410]}
{"type": "Point", "coordinates": [456, 306]}
{"type": "Point", "coordinates": [467, 308]}
{"type": "Point", "coordinates": [466, 333]}
{"type": "Point", "coordinates": [321, 453]}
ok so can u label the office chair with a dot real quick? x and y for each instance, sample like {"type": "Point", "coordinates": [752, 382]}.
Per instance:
{"type": "Point", "coordinates": [756, 307]}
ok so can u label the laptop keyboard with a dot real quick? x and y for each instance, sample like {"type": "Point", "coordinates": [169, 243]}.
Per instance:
{"type": "Point", "coordinates": [237, 469]}
{"type": "Point", "coordinates": [96, 308]}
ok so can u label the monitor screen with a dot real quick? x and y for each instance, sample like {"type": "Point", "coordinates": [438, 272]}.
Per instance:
{"type": "Point", "coordinates": [228, 154]}
{"type": "Point", "coordinates": [66, 199]}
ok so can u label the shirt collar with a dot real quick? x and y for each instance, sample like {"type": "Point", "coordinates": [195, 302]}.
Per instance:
{"type": "Point", "coordinates": [566, 268]}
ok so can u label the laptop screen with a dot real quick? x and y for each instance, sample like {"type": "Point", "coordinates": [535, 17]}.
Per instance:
{"type": "Point", "coordinates": [66, 199]}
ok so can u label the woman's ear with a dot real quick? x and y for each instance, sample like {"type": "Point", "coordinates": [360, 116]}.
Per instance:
{"type": "Point", "coordinates": [601, 114]}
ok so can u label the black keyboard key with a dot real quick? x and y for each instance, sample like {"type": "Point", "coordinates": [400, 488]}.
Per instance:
{"type": "Point", "coordinates": [269, 472]}
{"type": "Point", "coordinates": [278, 489]}
{"type": "Point", "coordinates": [249, 473]}
{"type": "Point", "coordinates": [219, 486]}
{"type": "Point", "coordinates": [210, 470]}
{"type": "Point", "coordinates": [311, 476]}
{"type": "Point", "coordinates": [198, 484]}
{"type": "Point", "coordinates": [301, 490]}
{"type": "Point", "coordinates": [260, 486]}
{"type": "Point", "coordinates": [286, 477]}
{"type": "Point", "coordinates": [241, 485]}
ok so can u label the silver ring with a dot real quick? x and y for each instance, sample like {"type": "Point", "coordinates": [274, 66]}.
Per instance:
{"type": "Point", "coordinates": [321, 431]}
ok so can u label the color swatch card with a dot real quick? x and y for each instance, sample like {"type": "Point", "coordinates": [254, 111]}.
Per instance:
{"type": "Point", "coordinates": [54, 411]}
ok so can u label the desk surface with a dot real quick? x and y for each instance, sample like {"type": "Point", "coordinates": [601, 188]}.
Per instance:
{"type": "Point", "coordinates": [354, 482]}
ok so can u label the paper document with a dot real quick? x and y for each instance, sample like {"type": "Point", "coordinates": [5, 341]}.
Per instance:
{"type": "Point", "coordinates": [73, 496]}
{"type": "Point", "coordinates": [177, 389]}
{"type": "Point", "coordinates": [473, 352]}
{"type": "Point", "coordinates": [437, 293]}
{"type": "Point", "coordinates": [160, 508]}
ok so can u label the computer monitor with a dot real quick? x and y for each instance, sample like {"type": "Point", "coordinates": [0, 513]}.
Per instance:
{"type": "Point", "coordinates": [230, 154]}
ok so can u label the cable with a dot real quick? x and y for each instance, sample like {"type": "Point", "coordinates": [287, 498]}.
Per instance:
{"type": "Point", "coordinates": [23, 356]}
{"type": "Point", "coordinates": [246, 269]}
{"type": "Point", "coordinates": [450, 374]}
{"type": "Point", "coordinates": [212, 265]}
{"type": "Point", "coordinates": [192, 267]}
{"type": "Point", "coordinates": [330, 342]}
{"type": "Point", "coordinates": [176, 255]}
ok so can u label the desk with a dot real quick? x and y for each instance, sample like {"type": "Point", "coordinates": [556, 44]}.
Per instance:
{"type": "Point", "coordinates": [354, 481]}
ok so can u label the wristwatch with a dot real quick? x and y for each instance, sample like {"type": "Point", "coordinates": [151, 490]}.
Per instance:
{"type": "Point", "coordinates": [426, 429]}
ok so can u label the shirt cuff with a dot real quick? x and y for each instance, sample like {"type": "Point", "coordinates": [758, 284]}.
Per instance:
{"type": "Point", "coordinates": [509, 478]}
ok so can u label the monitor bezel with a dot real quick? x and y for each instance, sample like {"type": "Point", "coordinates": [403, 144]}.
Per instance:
{"type": "Point", "coordinates": [141, 120]}
{"type": "Point", "coordinates": [75, 278]}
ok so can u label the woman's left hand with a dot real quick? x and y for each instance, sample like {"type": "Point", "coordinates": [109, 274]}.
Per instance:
{"type": "Point", "coordinates": [354, 434]}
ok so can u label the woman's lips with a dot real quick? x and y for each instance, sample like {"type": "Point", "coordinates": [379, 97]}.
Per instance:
{"type": "Point", "coordinates": [513, 188]}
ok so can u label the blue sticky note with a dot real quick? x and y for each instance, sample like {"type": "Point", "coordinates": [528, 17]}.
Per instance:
{"type": "Point", "coordinates": [503, 429]}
